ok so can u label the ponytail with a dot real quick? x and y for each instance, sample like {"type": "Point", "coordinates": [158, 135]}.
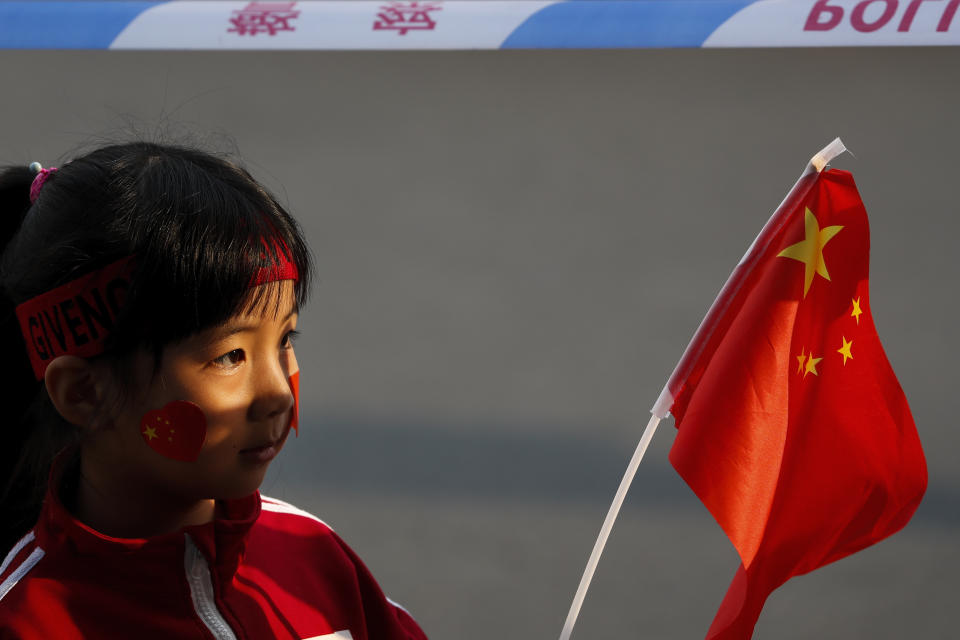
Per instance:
{"type": "Point", "coordinates": [29, 441]}
{"type": "Point", "coordinates": [18, 386]}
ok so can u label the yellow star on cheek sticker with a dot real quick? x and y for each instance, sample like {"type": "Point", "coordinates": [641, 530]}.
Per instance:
{"type": "Point", "coordinates": [150, 433]}
{"type": "Point", "coordinates": [856, 310]}
{"type": "Point", "coordinates": [811, 365]}
{"type": "Point", "coordinates": [810, 251]}
{"type": "Point", "coordinates": [844, 350]}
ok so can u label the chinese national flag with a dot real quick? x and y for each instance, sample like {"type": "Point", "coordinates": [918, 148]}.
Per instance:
{"type": "Point", "coordinates": [792, 428]}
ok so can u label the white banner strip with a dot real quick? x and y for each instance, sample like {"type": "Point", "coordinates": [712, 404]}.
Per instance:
{"type": "Point", "coordinates": [474, 24]}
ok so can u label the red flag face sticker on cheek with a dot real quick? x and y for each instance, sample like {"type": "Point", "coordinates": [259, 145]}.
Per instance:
{"type": "Point", "coordinates": [295, 411]}
{"type": "Point", "coordinates": [176, 431]}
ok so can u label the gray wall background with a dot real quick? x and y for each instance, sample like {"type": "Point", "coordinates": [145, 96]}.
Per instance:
{"type": "Point", "coordinates": [513, 250]}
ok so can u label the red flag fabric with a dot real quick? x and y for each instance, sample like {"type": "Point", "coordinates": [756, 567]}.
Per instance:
{"type": "Point", "coordinates": [792, 428]}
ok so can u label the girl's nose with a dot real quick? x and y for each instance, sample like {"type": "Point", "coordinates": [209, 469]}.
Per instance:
{"type": "Point", "coordinates": [274, 395]}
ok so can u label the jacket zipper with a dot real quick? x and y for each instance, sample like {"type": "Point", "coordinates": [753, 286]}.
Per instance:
{"type": "Point", "coordinates": [201, 592]}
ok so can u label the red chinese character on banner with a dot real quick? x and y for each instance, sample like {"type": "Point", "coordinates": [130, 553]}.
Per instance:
{"type": "Point", "coordinates": [263, 17]}
{"type": "Point", "coordinates": [404, 16]}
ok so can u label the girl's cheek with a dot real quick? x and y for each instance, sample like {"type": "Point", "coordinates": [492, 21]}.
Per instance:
{"type": "Point", "coordinates": [176, 431]}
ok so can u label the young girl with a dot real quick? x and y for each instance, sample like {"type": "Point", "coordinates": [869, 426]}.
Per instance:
{"type": "Point", "coordinates": [148, 299]}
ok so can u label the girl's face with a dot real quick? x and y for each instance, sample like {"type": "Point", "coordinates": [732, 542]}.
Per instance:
{"type": "Point", "coordinates": [238, 374]}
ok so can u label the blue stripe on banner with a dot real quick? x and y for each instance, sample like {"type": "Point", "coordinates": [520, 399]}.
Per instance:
{"type": "Point", "coordinates": [612, 23]}
{"type": "Point", "coordinates": [66, 25]}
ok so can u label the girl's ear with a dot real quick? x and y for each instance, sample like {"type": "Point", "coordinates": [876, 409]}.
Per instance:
{"type": "Point", "coordinates": [76, 389]}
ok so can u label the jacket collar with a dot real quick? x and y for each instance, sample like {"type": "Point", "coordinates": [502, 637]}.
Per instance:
{"type": "Point", "coordinates": [222, 541]}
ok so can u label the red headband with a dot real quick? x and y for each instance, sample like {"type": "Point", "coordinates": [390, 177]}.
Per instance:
{"type": "Point", "coordinates": [279, 268]}
{"type": "Point", "coordinates": [76, 318]}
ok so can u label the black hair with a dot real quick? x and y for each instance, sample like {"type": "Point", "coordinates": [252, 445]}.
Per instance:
{"type": "Point", "coordinates": [199, 228]}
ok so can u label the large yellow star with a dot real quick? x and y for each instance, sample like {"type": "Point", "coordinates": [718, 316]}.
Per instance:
{"type": "Point", "coordinates": [802, 359]}
{"type": "Point", "coordinates": [856, 310]}
{"type": "Point", "coordinates": [150, 433]}
{"type": "Point", "coordinates": [844, 350]}
{"type": "Point", "coordinates": [811, 365]}
{"type": "Point", "coordinates": [810, 251]}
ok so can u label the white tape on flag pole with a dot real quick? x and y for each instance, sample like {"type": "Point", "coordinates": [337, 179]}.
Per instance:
{"type": "Point", "coordinates": [827, 154]}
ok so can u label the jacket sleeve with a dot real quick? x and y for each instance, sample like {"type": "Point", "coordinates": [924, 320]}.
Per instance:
{"type": "Point", "coordinates": [385, 619]}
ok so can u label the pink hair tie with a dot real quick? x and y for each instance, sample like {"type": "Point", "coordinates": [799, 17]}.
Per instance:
{"type": "Point", "coordinates": [39, 180]}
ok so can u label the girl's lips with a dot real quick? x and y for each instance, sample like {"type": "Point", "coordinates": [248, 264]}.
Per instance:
{"type": "Point", "coordinates": [262, 454]}
{"type": "Point", "coordinates": [265, 452]}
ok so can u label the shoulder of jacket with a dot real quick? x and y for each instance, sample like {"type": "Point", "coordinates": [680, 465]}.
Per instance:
{"type": "Point", "coordinates": [271, 508]}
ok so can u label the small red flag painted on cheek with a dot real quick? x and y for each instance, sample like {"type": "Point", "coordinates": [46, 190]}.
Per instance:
{"type": "Point", "coordinates": [176, 431]}
{"type": "Point", "coordinates": [295, 412]}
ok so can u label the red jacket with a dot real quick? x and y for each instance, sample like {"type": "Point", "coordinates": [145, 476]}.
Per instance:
{"type": "Point", "coordinates": [263, 569]}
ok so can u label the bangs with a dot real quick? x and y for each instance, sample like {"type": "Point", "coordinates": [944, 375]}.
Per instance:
{"type": "Point", "coordinates": [205, 244]}
{"type": "Point", "coordinates": [264, 300]}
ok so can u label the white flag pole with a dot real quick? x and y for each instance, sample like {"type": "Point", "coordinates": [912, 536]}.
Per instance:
{"type": "Point", "coordinates": [607, 526]}
{"type": "Point", "coordinates": [661, 409]}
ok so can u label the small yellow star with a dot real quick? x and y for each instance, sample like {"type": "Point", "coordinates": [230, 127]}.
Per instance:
{"type": "Point", "coordinates": [856, 310]}
{"type": "Point", "coordinates": [150, 433]}
{"type": "Point", "coordinates": [844, 350]}
{"type": "Point", "coordinates": [810, 250]}
{"type": "Point", "coordinates": [802, 359]}
{"type": "Point", "coordinates": [811, 365]}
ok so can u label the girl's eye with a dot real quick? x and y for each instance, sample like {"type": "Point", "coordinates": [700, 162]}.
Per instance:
{"type": "Point", "coordinates": [231, 359]}
{"type": "Point", "coordinates": [289, 339]}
